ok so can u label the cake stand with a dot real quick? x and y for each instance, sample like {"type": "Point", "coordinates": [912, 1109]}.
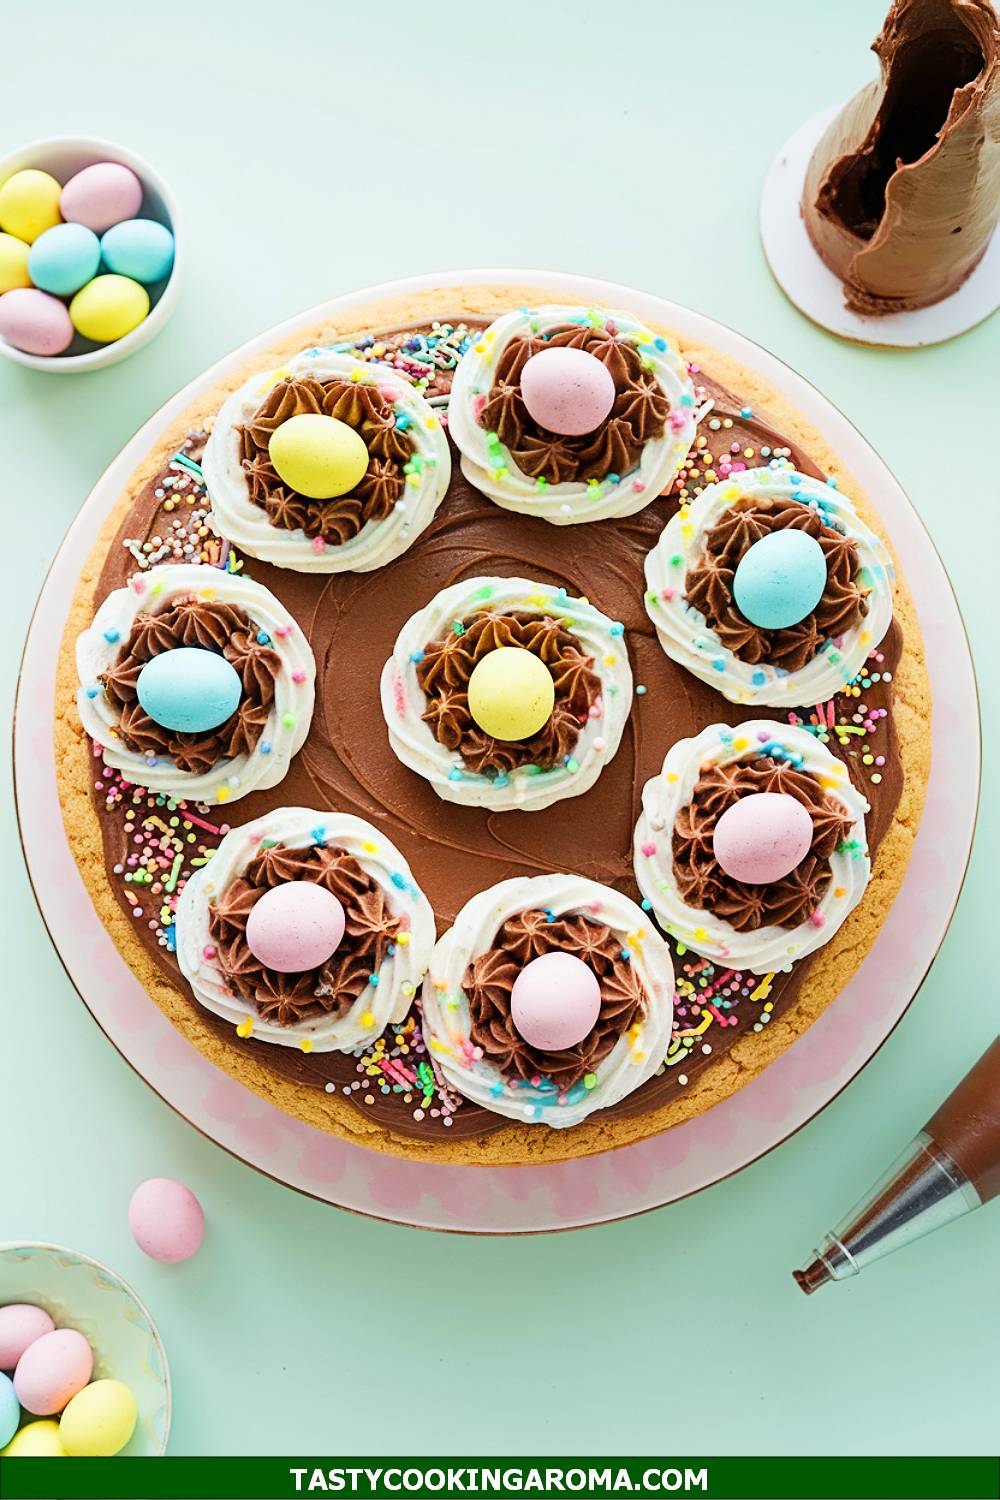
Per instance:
{"type": "Point", "coordinates": [564, 1195]}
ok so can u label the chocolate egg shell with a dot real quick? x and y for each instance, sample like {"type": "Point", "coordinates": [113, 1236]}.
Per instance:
{"type": "Point", "coordinates": [101, 195]}
{"type": "Point", "coordinates": [780, 579]}
{"type": "Point", "coordinates": [35, 322]}
{"type": "Point", "coordinates": [64, 259]}
{"type": "Point", "coordinates": [52, 1370]}
{"type": "Point", "coordinates": [189, 690]}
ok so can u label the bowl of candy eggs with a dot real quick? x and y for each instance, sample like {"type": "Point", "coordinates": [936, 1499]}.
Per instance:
{"type": "Point", "coordinates": [89, 258]}
{"type": "Point", "coordinates": [83, 1372]}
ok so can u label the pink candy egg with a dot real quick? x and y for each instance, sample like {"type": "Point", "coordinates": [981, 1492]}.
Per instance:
{"type": "Point", "coordinates": [555, 1001]}
{"type": "Point", "coordinates": [34, 321]}
{"type": "Point", "coordinates": [295, 926]}
{"type": "Point", "coordinates": [101, 195]}
{"type": "Point", "coordinates": [567, 390]}
{"type": "Point", "coordinates": [51, 1371]}
{"type": "Point", "coordinates": [762, 837]}
{"type": "Point", "coordinates": [166, 1219]}
{"type": "Point", "coordinates": [21, 1323]}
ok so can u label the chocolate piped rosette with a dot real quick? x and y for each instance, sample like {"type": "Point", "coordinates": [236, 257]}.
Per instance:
{"type": "Point", "coordinates": [550, 997]}
{"type": "Point", "coordinates": [770, 588]}
{"type": "Point", "coordinates": [751, 846]}
{"type": "Point", "coordinates": [196, 682]}
{"type": "Point", "coordinates": [505, 693]}
{"type": "Point", "coordinates": [307, 929]}
{"type": "Point", "coordinates": [326, 465]}
{"type": "Point", "coordinates": [572, 413]}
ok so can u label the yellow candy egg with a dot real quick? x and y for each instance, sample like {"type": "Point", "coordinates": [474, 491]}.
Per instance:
{"type": "Point", "coordinates": [318, 456]}
{"type": "Point", "coordinates": [108, 308]}
{"type": "Point", "coordinates": [36, 1440]}
{"type": "Point", "coordinates": [13, 263]}
{"type": "Point", "coordinates": [99, 1420]}
{"type": "Point", "coordinates": [511, 693]}
{"type": "Point", "coordinates": [29, 204]}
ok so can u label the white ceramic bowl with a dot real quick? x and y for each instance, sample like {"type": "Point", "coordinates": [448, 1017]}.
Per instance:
{"type": "Point", "coordinates": [63, 156]}
{"type": "Point", "coordinates": [78, 1292]}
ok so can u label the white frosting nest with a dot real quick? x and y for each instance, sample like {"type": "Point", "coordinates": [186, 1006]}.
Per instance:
{"type": "Point", "coordinates": [403, 700]}
{"type": "Point", "coordinates": [378, 542]}
{"type": "Point", "coordinates": [636, 1056]}
{"type": "Point", "coordinates": [684, 634]}
{"type": "Point", "coordinates": [401, 972]}
{"type": "Point", "coordinates": [290, 712]}
{"type": "Point", "coordinates": [491, 467]}
{"type": "Point", "coordinates": [767, 949]}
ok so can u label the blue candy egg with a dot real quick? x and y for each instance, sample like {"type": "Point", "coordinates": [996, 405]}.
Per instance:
{"type": "Point", "coordinates": [780, 579]}
{"type": "Point", "coordinates": [189, 690]}
{"type": "Point", "coordinates": [10, 1410]}
{"type": "Point", "coordinates": [139, 248]}
{"type": "Point", "coordinates": [64, 259]}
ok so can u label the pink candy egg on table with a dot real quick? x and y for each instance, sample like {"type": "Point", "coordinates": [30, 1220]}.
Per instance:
{"type": "Point", "coordinates": [35, 322]}
{"type": "Point", "coordinates": [166, 1220]}
{"type": "Point", "coordinates": [567, 390]}
{"type": "Point", "coordinates": [762, 837]}
{"type": "Point", "coordinates": [555, 1001]}
{"type": "Point", "coordinates": [21, 1323]}
{"type": "Point", "coordinates": [295, 927]}
{"type": "Point", "coordinates": [101, 195]}
{"type": "Point", "coordinates": [51, 1371]}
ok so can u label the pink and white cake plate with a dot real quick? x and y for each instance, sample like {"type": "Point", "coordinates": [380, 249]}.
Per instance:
{"type": "Point", "coordinates": [597, 1189]}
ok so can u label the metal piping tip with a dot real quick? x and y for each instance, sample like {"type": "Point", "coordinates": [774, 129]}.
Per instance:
{"type": "Point", "coordinates": [814, 1276]}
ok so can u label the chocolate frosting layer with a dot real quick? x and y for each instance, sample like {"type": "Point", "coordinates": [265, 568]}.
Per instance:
{"type": "Point", "coordinates": [902, 194]}
{"type": "Point", "coordinates": [448, 665]}
{"type": "Point", "coordinates": [223, 628]}
{"type": "Point", "coordinates": [705, 885]}
{"type": "Point", "coordinates": [710, 584]}
{"type": "Point", "coordinates": [639, 413]}
{"type": "Point", "coordinates": [362, 407]}
{"type": "Point", "coordinates": [335, 985]}
{"type": "Point", "coordinates": [490, 978]}
{"type": "Point", "coordinates": [454, 851]}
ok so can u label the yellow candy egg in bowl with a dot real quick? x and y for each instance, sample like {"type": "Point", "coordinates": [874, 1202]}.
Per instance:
{"type": "Point", "coordinates": [80, 1293]}
{"type": "Point", "coordinates": [63, 158]}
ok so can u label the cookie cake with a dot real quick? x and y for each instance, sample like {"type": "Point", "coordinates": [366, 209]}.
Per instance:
{"type": "Point", "coordinates": [492, 728]}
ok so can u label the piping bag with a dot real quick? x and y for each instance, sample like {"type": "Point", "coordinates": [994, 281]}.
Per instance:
{"type": "Point", "coordinates": [950, 1167]}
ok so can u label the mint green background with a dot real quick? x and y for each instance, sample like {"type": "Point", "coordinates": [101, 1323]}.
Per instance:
{"type": "Point", "coordinates": [316, 148]}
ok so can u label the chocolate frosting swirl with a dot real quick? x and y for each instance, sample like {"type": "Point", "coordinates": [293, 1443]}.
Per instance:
{"type": "Point", "coordinates": [490, 978]}
{"type": "Point", "coordinates": [363, 407]}
{"type": "Point", "coordinates": [639, 412]}
{"type": "Point", "coordinates": [211, 625]}
{"type": "Point", "coordinates": [710, 584]}
{"type": "Point", "coordinates": [448, 664]}
{"type": "Point", "coordinates": [703, 883]}
{"type": "Point", "coordinates": [285, 999]}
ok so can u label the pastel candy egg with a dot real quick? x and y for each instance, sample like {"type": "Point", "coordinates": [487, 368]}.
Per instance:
{"type": "Point", "coordinates": [21, 1323]}
{"type": "Point", "coordinates": [99, 1420]}
{"type": "Point", "coordinates": [36, 1440]}
{"type": "Point", "coordinates": [318, 456]}
{"type": "Point", "coordinates": [108, 308]}
{"type": "Point", "coordinates": [64, 258]}
{"type": "Point", "coordinates": [189, 690]}
{"type": "Point", "coordinates": [13, 263]}
{"type": "Point", "coordinates": [567, 390]}
{"type": "Point", "coordinates": [166, 1220]}
{"type": "Point", "coordinates": [295, 927]}
{"type": "Point", "coordinates": [511, 693]}
{"type": "Point", "coordinates": [762, 837]}
{"type": "Point", "coordinates": [555, 1001]}
{"type": "Point", "coordinates": [10, 1410]}
{"type": "Point", "coordinates": [102, 195]}
{"type": "Point", "coordinates": [780, 579]}
{"type": "Point", "coordinates": [140, 248]}
{"type": "Point", "coordinates": [52, 1370]}
{"type": "Point", "coordinates": [35, 322]}
{"type": "Point", "coordinates": [29, 204]}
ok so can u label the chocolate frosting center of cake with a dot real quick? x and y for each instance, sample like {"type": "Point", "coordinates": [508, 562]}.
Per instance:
{"type": "Point", "coordinates": [490, 978]}
{"type": "Point", "coordinates": [448, 664]}
{"type": "Point", "coordinates": [704, 884]}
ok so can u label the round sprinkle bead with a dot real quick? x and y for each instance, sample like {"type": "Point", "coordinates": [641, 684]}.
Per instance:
{"type": "Point", "coordinates": [511, 693]}
{"type": "Point", "coordinates": [763, 837]}
{"type": "Point", "coordinates": [568, 391]}
{"type": "Point", "coordinates": [295, 927]}
{"type": "Point", "coordinates": [555, 1002]}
